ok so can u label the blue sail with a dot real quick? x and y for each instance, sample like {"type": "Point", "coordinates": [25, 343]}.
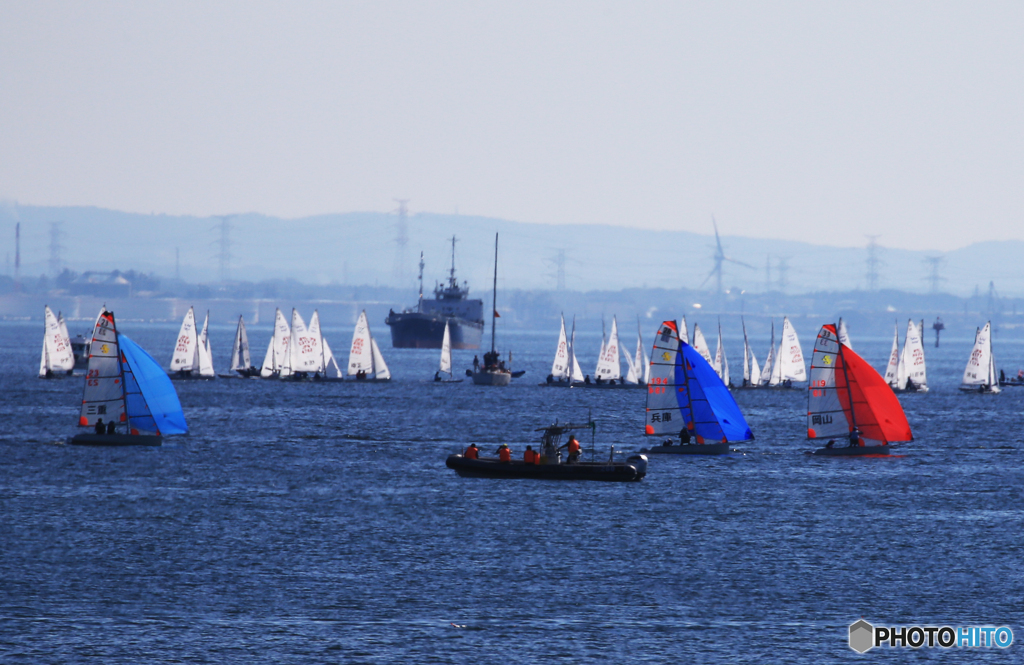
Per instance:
{"type": "Point", "coordinates": [716, 416]}
{"type": "Point", "coordinates": [150, 400]}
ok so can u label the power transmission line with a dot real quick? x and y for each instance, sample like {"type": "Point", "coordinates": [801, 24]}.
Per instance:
{"type": "Point", "coordinates": [873, 262]}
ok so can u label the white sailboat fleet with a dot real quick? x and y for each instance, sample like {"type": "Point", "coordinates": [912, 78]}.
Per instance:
{"type": "Point", "coordinates": [57, 358]}
{"type": "Point", "coordinates": [906, 371]}
{"type": "Point", "coordinates": [294, 352]}
{"type": "Point", "coordinates": [566, 372]}
{"type": "Point", "coordinates": [192, 357]}
{"type": "Point", "coordinates": [980, 373]}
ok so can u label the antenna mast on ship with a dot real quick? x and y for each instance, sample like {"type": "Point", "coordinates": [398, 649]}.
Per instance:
{"type": "Point", "coordinates": [451, 277]}
{"type": "Point", "coordinates": [494, 296]}
{"type": "Point", "coordinates": [419, 308]}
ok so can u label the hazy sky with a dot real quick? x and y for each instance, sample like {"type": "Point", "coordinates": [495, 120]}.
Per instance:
{"type": "Point", "coordinates": [817, 121]}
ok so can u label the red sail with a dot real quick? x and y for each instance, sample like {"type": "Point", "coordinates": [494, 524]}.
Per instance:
{"type": "Point", "coordinates": [876, 409]}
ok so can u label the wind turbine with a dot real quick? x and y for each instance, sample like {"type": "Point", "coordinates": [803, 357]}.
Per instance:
{"type": "Point", "coordinates": [719, 258]}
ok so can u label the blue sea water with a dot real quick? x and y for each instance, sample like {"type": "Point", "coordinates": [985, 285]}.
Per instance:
{"type": "Point", "coordinates": [302, 523]}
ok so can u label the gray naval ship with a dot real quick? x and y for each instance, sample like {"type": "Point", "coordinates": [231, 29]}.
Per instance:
{"type": "Point", "coordinates": [423, 327]}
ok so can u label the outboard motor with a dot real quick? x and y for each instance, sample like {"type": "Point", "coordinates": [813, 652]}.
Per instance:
{"type": "Point", "coordinates": [638, 462]}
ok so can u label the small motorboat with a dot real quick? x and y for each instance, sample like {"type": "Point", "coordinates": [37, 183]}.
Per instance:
{"type": "Point", "coordinates": [551, 466]}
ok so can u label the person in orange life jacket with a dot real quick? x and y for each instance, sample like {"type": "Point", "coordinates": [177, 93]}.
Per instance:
{"type": "Point", "coordinates": [504, 453]}
{"type": "Point", "coordinates": [574, 449]}
{"type": "Point", "coordinates": [531, 456]}
{"type": "Point", "coordinates": [472, 452]}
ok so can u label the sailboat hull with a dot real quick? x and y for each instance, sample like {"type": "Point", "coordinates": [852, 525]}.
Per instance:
{"type": "Point", "coordinates": [115, 440]}
{"type": "Point", "coordinates": [486, 378]}
{"type": "Point", "coordinates": [607, 385]}
{"type": "Point", "coordinates": [690, 449]}
{"type": "Point", "coordinates": [984, 390]}
{"type": "Point", "coordinates": [189, 376]}
{"type": "Point", "coordinates": [852, 451]}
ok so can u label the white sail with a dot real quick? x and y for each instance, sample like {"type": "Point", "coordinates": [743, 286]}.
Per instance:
{"type": "Point", "coordinates": [331, 369]}
{"type": "Point", "coordinates": [642, 363]}
{"type": "Point", "coordinates": [630, 369]}
{"type": "Point", "coordinates": [380, 368]}
{"type": "Point", "coordinates": [770, 371]}
{"type": "Point", "coordinates": [560, 367]}
{"type": "Point", "coordinates": [320, 355]}
{"type": "Point", "coordinates": [203, 352]}
{"type": "Point", "coordinates": [892, 370]}
{"type": "Point", "coordinates": [844, 335]}
{"type": "Point", "coordinates": [185, 357]}
{"type": "Point", "coordinates": [980, 370]}
{"type": "Point", "coordinates": [240, 358]}
{"type": "Point", "coordinates": [103, 398]}
{"type": "Point", "coordinates": [700, 345]}
{"type": "Point", "coordinates": [268, 367]}
{"type": "Point", "coordinates": [608, 365]}
{"type": "Point", "coordinates": [755, 371]}
{"type": "Point", "coordinates": [663, 414]}
{"type": "Point", "coordinates": [577, 373]}
{"type": "Point", "coordinates": [62, 359]}
{"type": "Point", "coordinates": [721, 364]}
{"type": "Point", "coordinates": [791, 356]}
{"type": "Point", "coordinates": [56, 356]}
{"type": "Point", "coordinates": [751, 372]}
{"type": "Point", "coordinates": [446, 350]}
{"type": "Point", "coordinates": [360, 356]}
{"type": "Point", "coordinates": [282, 344]}
{"type": "Point", "coordinates": [304, 350]}
{"type": "Point", "coordinates": [912, 360]}
{"type": "Point", "coordinates": [684, 338]}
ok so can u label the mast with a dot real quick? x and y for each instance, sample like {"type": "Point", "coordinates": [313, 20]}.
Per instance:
{"type": "Point", "coordinates": [451, 274]}
{"type": "Point", "coordinates": [120, 372]}
{"type": "Point", "coordinates": [419, 306]}
{"type": "Point", "coordinates": [494, 295]}
{"type": "Point", "coordinates": [849, 391]}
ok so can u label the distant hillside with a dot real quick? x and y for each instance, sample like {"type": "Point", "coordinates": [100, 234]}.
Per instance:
{"type": "Point", "coordinates": [360, 248]}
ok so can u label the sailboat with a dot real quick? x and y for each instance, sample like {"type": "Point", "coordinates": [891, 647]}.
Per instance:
{"type": "Point", "coordinates": [276, 361]}
{"type": "Point", "coordinates": [57, 358]}
{"type": "Point", "coordinates": [906, 371]}
{"type": "Point", "coordinates": [700, 345]}
{"type": "Point", "coordinates": [493, 371]}
{"type": "Point", "coordinates": [913, 359]}
{"type": "Point", "coordinates": [751, 372]}
{"type": "Point", "coordinates": [192, 358]}
{"type": "Point", "coordinates": [365, 362]}
{"type": "Point", "coordinates": [128, 398]}
{"type": "Point", "coordinates": [577, 374]}
{"type": "Point", "coordinates": [788, 365]}
{"type": "Point", "coordinates": [721, 364]}
{"type": "Point", "coordinates": [241, 360]}
{"type": "Point", "coordinates": [639, 366]}
{"type": "Point", "coordinates": [687, 399]}
{"type": "Point", "coordinates": [327, 367]}
{"type": "Point", "coordinates": [608, 372]}
{"type": "Point", "coordinates": [444, 371]}
{"type": "Point", "coordinates": [561, 366]}
{"type": "Point", "coordinates": [980, 373]}
{"type": "Point", "coordinates": [304, 353]}
{"type": "Point", "coordinates": [848, 400]}
{"type": "Point", "coordinates": [204, 351]}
